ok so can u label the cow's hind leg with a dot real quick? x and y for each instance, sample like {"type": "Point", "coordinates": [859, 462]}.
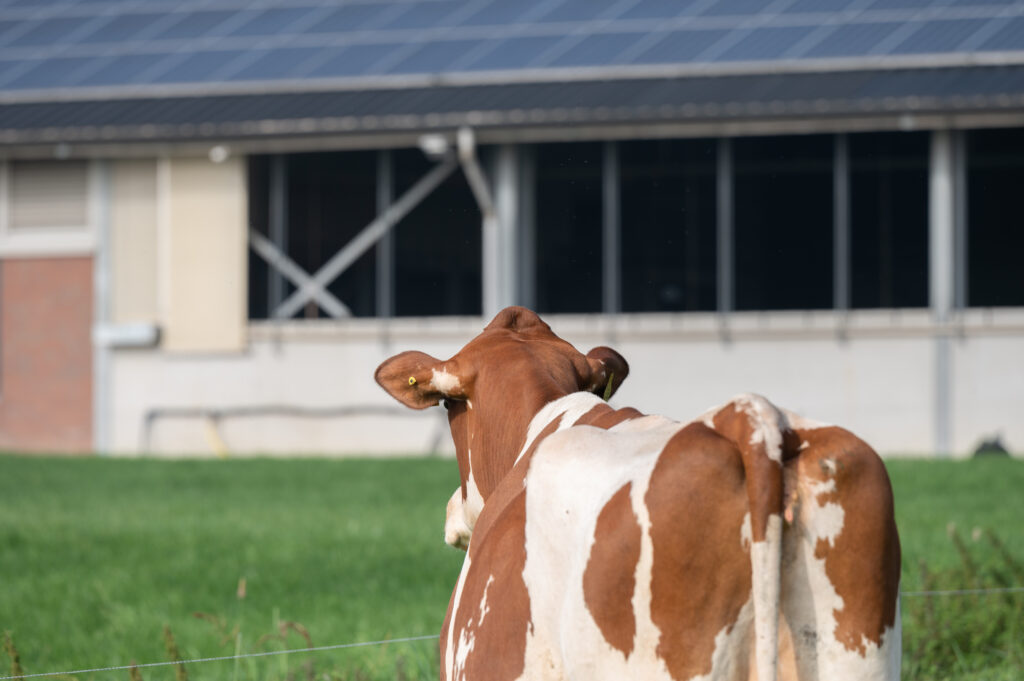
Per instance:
{"type": "Point", "coordinates": [841, 561]}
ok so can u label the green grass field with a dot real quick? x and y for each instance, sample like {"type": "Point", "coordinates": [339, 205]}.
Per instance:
{"type": "Point", "coordinates": [98, 556]}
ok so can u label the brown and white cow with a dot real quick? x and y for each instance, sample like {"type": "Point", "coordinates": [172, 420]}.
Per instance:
{"type": "Point", "coordinates": [606, 544]}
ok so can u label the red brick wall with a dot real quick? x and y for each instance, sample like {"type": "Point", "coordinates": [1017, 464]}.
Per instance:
{"type": "Point", "coordinates": [46, 354]}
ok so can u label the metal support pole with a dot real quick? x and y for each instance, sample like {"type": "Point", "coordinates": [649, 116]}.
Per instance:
{"type": "Point", "coordinates": [725, 290]}
{"type": "Point", "coordinates": [386, 245]}
{"type": "Point", "coordinates": [941, 218]}
{"type": "Point", "coordinates": [841, 225]}
{"type": "Point", "coordinates": [611, 259]}
{"type": "Point", "coordinates": [527, 227]}
{"type": "Point", "coordinates": [506, 207]}
{"type": "Point", "coordinates": [961, 297]}
{"type": "Point", "coordinates": [277, 227]}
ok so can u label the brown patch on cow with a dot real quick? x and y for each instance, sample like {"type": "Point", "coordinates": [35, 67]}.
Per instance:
{"type": "Point", "coordinates": [763, 474]}
{"type": "Point", "coordinates": [497, 561]}
{"type": "Point", "coordinates": [701, 574]}
{"type": "Point", "coordinates": [863, 563]}
{"type": "Point", "coordinates": [610, 576]}
{"type": "Point", "coordinates": [605, 417]}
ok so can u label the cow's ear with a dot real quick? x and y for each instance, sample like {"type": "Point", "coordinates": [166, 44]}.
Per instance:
{"type": "Point", "coordinates": [418, 380]}
{"type": "Point", "coordinates": [607, 371]}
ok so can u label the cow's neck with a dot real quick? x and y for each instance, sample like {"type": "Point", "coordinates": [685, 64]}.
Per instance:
{"type": "Point", "coordinates": [490, 437]}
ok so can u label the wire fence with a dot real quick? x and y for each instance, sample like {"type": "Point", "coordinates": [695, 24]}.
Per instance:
{"type": "Point", "coordinates": [411, 639]}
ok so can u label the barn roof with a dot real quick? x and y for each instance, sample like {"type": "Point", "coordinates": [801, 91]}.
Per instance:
{"type": "Point", "coordinates": [147, 70]}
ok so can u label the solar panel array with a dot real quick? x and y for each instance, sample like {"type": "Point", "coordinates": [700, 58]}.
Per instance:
{"type": "Point", "coordinates": [138, 44]}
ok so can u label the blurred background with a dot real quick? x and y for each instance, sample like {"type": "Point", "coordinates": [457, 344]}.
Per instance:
{"type": "Point", "coordinates": [218, 216]}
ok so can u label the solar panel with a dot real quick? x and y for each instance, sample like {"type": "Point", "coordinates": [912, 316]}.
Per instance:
{"type": "Point", "coordinates": [765, 43]}
{"type": "Point", "coordinates": [351, 18]}
{"type": "Point", "coordinates": [285, 62]}
{"type": "Point", "coordinates": [271, 21]}
{"type": "Point", "coordinates": [679, 46]}
{"type": "Point", "coordinates": [423, 15]}
{"type": "Point", "coordinates": [654, 9]}
{"type": "Point", "coordinates": [575, 10]}
{"type": "Point", "coordinates": [124, 27]}
{"type": "Point", "coordinates": [432, 57]}
{"type": "Point", "coordinates": [47, 73]}
{"type": "Point", "coordinates": [121, 70]}
{"type": "Point", "coordinates": [850, 40]}
{"type": "Point", "coordinates": [46, 33]}
{"type": "Point", "coordinates": [354, 60]}
{"type": "Point", "coordinates": [513, 53]}
{"type": "Point", "coordinates": [195, 24]}
{"type": "Point", "coordinates": [317, 39]}
{"type": "Point", "coordinates": [603, 48]}
{"type": "Point", "coordinates": [196, 67]}
{"type": "Point", "coordinates": [1011, 37]}
{"type": "Point", "coordinates": [939, 36]}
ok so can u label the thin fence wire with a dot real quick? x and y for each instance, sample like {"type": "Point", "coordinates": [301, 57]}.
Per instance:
{"type": "Point", "coordinates": [225, 658]}
{"type": "Point", "coordinates": [409, 639]}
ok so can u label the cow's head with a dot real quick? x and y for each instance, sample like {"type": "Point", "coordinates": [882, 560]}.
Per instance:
{"type": "Point", "coordinates": [494, 386]}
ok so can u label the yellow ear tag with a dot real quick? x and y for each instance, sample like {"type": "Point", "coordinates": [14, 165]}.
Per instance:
{"type": "Point", "coordinates": [608, 388]}
{"type": "Point", "coordinates": [412, 380]}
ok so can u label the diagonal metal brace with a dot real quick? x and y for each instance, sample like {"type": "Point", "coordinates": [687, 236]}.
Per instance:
{"type": "Point", "coordinates": [298, 276]}
{"type": "Point", "coordinates": [366, 238]}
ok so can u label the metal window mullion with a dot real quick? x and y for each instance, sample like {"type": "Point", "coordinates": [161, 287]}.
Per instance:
{"type": "Point", "coordinates": [527, 227]}
{"type": "Point", "coordinates": [841, 224]}
{"type": "Point", "coordinates": [611, 224]}
{"type": "Point", "coordinates": [960, 199]}
{"type": "Point", "coordinates": [725, 227]}
{"type": "Point", "coordinates": [277, 227]}
{"type": "Point", "coordinates": [386, 245]}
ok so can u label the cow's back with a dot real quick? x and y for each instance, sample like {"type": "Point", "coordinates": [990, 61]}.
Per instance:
{"type": "Point", "coordinates": [624, 552]}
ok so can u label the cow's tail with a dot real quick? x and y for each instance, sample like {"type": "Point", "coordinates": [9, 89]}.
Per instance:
{"type": "Point", "coordinates": [762, 434]}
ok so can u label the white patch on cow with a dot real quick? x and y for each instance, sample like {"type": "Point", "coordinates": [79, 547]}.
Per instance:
{"type": "Point", "coordinates": [474, 501]}
{"type": "Point", "coordinates": [803, 445]}
{"type": "Point", "coordinates": [830, 465]}
{"type": "Point", "coordinates": [469, 404]}
{"type": "Point", "coordinates": [746, 533]}
{"type": "Point", "coordinates": [444, 382]}
{"type": "Point", "coordinates": [467, 639]}
{"type": "Point", "coordinates": [571, 407]}
{"type": "Point", "coordinates": [572, 477]}
{"type": "Point", "coordinates": [449, 651]}
{"type": "Point", "coordinates": [798, 422]}
{"type": "Point", "coordinates": [730, 660]}
{"type": "Point", "coordinates": [456, 529]}
{"type": "Point", "coordinates": [812, 602]}
{"type": "Point", "coordinates": [765, 562]}
{"type": "Point", "coordinates": [767, 423]}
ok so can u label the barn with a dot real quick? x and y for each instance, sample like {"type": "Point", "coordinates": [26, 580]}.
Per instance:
{"type": "Point", "coordinates": [217, 216]}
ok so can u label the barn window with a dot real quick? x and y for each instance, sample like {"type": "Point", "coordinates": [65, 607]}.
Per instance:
{"type": "Point", "coordinates": [310, 206]}
{"type": "Point", "coordinates": [889, 220]}
{"type": "Point", "coordinates": [995, 228]}
{"type": "Point", "coordinates": [668, 219]}
{"type": "Point", "coordinates": [568, 227]}
{"type": "Point", "coordinates": [783, 222]}
{"type": "Point", "coordinates": [437, 246]}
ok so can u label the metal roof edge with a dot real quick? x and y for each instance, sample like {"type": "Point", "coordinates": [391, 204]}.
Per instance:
{"type": "Point", "coordinates": [523, 76]}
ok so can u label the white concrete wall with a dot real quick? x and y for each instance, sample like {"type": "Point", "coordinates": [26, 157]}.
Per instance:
{"type": "Point", "coordinates": [872, 372]}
